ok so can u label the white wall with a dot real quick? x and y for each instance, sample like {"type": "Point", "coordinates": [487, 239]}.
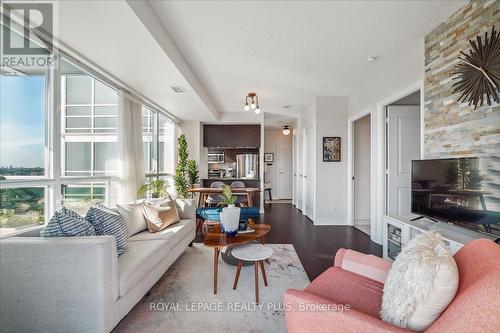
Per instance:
{"type": "Point", "coordinates": [361, 159]}
{"type": "Point", "coordinates": [331, 187]}
{"type": "Point", "coordinates": [404, 76]}
{"type": "Point", "coordinates": [404, 72]}
{"type": "Point", "coordinates": [328, 115]}
{"type": "Point", "coordinates": [272, 138]}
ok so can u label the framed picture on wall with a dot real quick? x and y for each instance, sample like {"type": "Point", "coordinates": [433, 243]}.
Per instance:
{"type": "Point", "coordinates": [331, 149]}
{"type": "Point", "coordinates": [269, 157]}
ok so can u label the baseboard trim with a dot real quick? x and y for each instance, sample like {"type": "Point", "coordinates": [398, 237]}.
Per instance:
{"type": "Point", "coordinates": [362, 221]}
{"type": "Point", "coordinates": [330, 221]}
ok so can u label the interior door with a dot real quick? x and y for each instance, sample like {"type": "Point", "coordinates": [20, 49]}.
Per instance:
{"type": "Point", "coordinates": [308, 173]}
{"type": "Point", "coordinates": [403, 146]}
{"type": "Point", "coordinates": [300, 169]}
{"type": "Point", "coordinates": [284, 171]}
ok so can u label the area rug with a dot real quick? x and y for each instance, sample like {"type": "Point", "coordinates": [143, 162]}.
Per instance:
{"type": "Point", "coordinates": [183, 300]}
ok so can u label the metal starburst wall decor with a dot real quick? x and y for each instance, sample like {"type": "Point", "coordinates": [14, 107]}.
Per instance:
{"type": "Point", "coordinates": [478, 73]}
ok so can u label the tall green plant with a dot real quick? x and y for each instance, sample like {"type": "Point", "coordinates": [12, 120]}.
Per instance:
{"type": "Point", "coordinates": [193, 173]}
{"type": "Point", "coordinates": [186, 172]}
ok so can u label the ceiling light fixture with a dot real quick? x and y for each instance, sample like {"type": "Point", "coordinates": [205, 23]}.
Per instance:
{"type": "Point", "coordinates": [286, 130]}
{"type": "Point", "coordinates": [371, 58]}
{"type": "Point", "coordinates": [252, 102]}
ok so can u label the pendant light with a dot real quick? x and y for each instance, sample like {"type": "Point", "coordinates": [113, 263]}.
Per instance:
{"type": "Point", "coordinates": [286, 130]}
{"type": "Point", "coordinates": [252, 103]}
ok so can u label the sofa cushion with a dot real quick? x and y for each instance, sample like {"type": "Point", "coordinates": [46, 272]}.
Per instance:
{"type": "Point", "coordinates": [159, 217]}
{"type": "Point", "coordinates": [422, 282]}
{"type": "Point", "coordinates": [108, 223]}
{"type": "Point", "coordinates": [178, 231]}
{"type": "Point", "coordinates": [145, 250]}
{"type": "Point", "coordinates": [67, 223]}
{"type": "Point", "coordinates": [344, 287]}
{"type": "Point", "coordinates": [139, 259]}
{"type": "Point", "coordinates": [132, 214]}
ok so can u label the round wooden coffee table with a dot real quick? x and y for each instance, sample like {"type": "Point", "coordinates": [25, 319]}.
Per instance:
{"type": "Point", "coordinates": [213, 237]}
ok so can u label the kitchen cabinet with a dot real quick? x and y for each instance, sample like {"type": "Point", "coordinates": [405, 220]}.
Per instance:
{"type": "Point", "coordinates": [231, 136]}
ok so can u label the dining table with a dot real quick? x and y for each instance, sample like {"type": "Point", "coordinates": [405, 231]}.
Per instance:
{"type": "Point", "coordinates": [203, 193]}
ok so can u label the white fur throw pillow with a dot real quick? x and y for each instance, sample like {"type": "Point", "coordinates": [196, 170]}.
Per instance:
{"type": "Point", "coordinates": [422, 282]}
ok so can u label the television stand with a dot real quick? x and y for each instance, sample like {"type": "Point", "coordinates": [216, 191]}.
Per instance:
{"type": "Point", "coordinates": [398, 230]}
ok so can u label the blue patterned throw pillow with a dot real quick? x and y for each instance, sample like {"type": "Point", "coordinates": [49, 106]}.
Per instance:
{"type": "Point", "coordinates": [107, 222]}
{"type": "Point", "coordinates": [67, 223]}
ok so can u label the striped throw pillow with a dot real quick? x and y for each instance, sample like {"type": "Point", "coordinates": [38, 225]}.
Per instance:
{"type": "Point", "coordinates": [108, 222]}
{"type": "Point", "coordinates": [67, 223]}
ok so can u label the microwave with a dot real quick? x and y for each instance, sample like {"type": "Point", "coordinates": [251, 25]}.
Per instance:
{"type": "Point", "coordinates": [216, 158]}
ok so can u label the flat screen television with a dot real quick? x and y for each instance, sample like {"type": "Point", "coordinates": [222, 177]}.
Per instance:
{"type": "Point", "coordinates": [462, 191]}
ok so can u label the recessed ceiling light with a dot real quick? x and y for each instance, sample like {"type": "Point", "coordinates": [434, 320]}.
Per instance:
{"type": "Point", "coordinates": [371, 59]}
{"type": "Point", "coordinates": [287, 106]}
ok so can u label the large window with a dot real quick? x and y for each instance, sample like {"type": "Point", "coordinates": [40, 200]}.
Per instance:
{"type": "Point", "coordinates": [89, 134]}
{"type": "Point", "coordinates": [23, 124]}
{"type": "Point", "coordinates": [21, 207]}
{"type": "Point", "coordinates": [158, 143]}
{"type": "Point", "coordinates": [23, 146]}
{"type": "Point", "coordinates": [50, 158]}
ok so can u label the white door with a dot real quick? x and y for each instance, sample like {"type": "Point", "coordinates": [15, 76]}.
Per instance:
{"type": "Point", "coordinates": [294, 169]}
{"type": "Point", "coordinates": [361, 176]}
{"type": "Point", "coordinates": [403, 146]}
{"type": "Point", "coordinates": [299, 177]}
{"type": "Point", "coordinates": [308, 174]}
{"type": "Point", "coordinates": [284, 171]}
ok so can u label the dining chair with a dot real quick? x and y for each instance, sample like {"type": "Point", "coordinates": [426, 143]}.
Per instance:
{"type": "Point", "coordinates": [242, 198]}
{"type": "Point", "coordinates": [214, 199]}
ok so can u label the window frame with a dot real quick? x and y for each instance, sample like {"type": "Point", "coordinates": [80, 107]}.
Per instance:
{"type": "Point", "coordinates": [52, 180]}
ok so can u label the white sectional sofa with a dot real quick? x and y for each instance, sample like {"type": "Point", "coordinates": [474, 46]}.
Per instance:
{"type": "Point", "coordinates": [79, 284]}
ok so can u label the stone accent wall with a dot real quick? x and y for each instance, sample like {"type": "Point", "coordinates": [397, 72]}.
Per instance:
{"type": "Point", "coordinates": [454, 129]}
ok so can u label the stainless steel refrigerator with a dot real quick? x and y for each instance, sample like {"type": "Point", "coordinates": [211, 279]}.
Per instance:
{"type": "Point", "coordinates": [247, 166]}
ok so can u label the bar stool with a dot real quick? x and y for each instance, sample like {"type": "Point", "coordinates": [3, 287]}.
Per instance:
{"type": "Point", "coordinates": [256, 253]}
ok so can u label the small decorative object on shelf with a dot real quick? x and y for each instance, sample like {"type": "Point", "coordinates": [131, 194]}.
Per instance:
{"type": "Point", "coordinates": [478, 73]}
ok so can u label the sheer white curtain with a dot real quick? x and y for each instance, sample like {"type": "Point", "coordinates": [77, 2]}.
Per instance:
{"type": "Point", "coordinates": [131, 164]}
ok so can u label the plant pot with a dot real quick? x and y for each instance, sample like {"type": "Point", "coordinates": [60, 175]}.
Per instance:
{"type": "Point", "coordinates": [230, 220]}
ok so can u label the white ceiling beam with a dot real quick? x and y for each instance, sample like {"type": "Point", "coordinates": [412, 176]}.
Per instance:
{"type": "Point", "coordinates": [152, 22]}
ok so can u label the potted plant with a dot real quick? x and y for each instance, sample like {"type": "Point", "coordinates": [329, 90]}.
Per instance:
{"type": "Point", "coordinates": [186, 173]}
{"type": "Point", "coordinates": [230, 215]}
{"type": "Point", "coordinates": [157, 187]}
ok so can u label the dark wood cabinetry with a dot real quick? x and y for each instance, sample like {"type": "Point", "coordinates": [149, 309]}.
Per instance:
{"type": "Point", "coordinates": [231, 136]}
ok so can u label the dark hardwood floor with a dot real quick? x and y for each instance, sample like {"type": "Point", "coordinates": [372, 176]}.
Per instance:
{"type": "Point", "coordinates": [315, 245]}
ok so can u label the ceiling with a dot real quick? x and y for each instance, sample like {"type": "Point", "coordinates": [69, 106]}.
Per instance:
{"type": "Point", "coordinates": [273, 120]}
{"type": "Point", "coordinates": [290, 51]}
{"type": "Point", "coordinates": [113, 37]}
{"type": "Point", "coordinates": [286, 51]}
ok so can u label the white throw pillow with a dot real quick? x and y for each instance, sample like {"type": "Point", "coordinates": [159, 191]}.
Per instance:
{"type": "Point", "coordinates": [422, 282]}
{"type": "Point", "coordinates": [134, 219]}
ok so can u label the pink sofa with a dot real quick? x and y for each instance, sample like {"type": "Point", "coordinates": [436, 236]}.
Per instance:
{"type": "Point", "coordinates": [357, 279]}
